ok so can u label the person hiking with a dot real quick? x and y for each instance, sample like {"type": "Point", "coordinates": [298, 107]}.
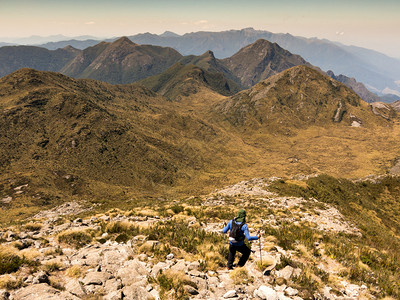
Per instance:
{"type": "Point", "coordinates": [238, 231]}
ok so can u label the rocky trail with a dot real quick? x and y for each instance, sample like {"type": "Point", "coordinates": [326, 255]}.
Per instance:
{"type": "Point", "coordinates": [113, 266]}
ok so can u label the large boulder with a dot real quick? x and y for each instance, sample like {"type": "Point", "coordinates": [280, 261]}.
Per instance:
{"type": "Point", "coordinates": [41, 291]}
{"type": "Point", "coordinates": [266, 293]}
{"type": "Point", "coordinates": [75, 287]}
{"type": "Point", "coordinates": [132, 271]}
{"type": "Point", "coordinates": [96, 278]}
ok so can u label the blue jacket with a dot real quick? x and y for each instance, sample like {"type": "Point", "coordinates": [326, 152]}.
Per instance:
{"type": "Point", "coordinates": [245, 230]}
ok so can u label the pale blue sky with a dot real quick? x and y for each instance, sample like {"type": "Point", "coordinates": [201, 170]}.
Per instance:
{"type": "Point", "coordinates": [366, 23]}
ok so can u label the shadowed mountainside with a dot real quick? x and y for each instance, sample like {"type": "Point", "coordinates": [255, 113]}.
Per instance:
{"type": "Point", "coordinates": [13, 58]}
{"type": "Point", "coordinates": [121, 61]}
{"type": "Point", "coordinates": [261, 60]}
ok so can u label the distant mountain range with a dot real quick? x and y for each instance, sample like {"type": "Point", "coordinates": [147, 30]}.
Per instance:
{"type": "Point", "coordinates": [376, 70]}
{"type": "Point", "coordinates": [36, 39]}
{"type": "Point", "coordinates": [123, 61]}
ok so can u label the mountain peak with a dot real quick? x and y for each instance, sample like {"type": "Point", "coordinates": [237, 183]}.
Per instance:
{"type": "Point", "coordinates": [209, 54]}
{"type": "Point", "coordinates": [169, 34]}
{"type": "Point", "coordinates": [123, 40]}
{"type": "Point", "coordinates": [261, 60]}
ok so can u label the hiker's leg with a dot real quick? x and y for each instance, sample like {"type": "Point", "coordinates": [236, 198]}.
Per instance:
{"type": "Point", "coordinates": [245, 254]}
{"type": "Point", "coordinates": [231, 256]}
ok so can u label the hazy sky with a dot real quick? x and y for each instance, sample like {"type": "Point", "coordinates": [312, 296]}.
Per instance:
{"type": "Point", "coordinates": [368, 23]}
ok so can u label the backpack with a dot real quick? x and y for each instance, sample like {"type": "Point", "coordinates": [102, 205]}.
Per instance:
{"type": "Point", "coordinates": [236, 234]}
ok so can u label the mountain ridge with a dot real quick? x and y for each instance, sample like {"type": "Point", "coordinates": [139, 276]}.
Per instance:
{"type": "Point", "coordinates": [121, 61]}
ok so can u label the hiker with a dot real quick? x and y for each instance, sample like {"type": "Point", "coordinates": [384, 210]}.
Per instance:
{"type": "Point", "coordinates": [238, 231]}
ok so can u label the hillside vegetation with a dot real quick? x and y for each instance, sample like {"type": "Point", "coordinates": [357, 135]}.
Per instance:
{"type": "Point", "coordinates": [65, 138]}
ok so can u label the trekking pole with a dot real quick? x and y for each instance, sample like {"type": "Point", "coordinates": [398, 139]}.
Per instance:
{"type": "Point", "coordinates": [259, 239]}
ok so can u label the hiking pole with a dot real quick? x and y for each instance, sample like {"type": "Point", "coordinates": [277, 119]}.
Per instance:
{"type": "Point", "coordinates": [259, 239]}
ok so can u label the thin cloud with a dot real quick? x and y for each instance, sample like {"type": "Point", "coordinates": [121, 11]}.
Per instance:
{"type": "Point", "coordinates": [201, 22]}
{"type": "Point", "coordinates": [90, 23]}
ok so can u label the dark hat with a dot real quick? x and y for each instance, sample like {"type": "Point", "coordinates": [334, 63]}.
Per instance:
{"type": "Point", "coordinates": [241, 216]}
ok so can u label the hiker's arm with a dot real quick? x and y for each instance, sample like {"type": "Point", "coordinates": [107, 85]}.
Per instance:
{"type": "Point", "coordinates": [227, 227]}
{"type": "Point", "coordinates": [247, 234]}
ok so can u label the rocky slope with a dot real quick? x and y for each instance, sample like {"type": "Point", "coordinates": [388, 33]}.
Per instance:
{"type": "Point", "coordinates": [136, 254]}
{"type": "Point", "coordinates": [261, 60]}
{"type": "Point", "coordinates": [294, 98]}
{"type": "Point", "coordinates": [357, 87]}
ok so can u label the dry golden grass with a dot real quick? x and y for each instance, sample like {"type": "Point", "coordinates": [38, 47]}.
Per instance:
{"type": "Point", "coordinates": [30, 253]}
{"type": "Point", "coordinates": [75, 271]}
{"type": "Point", "coordinates": [240, 276]}
{"type": "Point", "coordinates": [119, 226]}
{"type": "Point", "coordinates": [146, 212]}
{"type": "Point", "coordinates": [304, 252]}
{"type": "Point", "coordinates": [267, 261]}
{"type": "Point", "coordinates": [9, 283]}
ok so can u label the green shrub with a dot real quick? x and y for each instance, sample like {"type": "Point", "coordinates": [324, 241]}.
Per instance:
{"type": "Point", "coordinates": [172, 285]}
{"type": "Point", "coordinates": [9, 262]}
{"type": "Point", "coordinates": [177, 209]}
{"type": "Point", "coordinates": [122, 238]}
{"type": "Point", "coordinates": [77, 239]}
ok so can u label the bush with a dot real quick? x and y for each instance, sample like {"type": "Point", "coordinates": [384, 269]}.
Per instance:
{"type": "Point", "coordinates": [240, 276]}
{"type": "Point", "coordinates": [9, 262]}
{"type": "Point", "coordinates": [78, 239]}
{"type": "Point", "coordinates": [33, 226]}
{"type": "Point", "coordinates": [10, 284]}
{"type": "Point", "coordinates": [172, 285]}
{"type": "Point", "coordinates": [74, 271]}
{"type": "Point", "coordinates": [53, 266]}
{"type": "Point", "coordinates": [122, 227]}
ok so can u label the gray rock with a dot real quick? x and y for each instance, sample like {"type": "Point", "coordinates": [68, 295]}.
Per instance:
{"type": "Point", "coordinates": [115, 295]}
{"type": "Point", "coordinates": [75, 287]}
{"type": "Point", "coordinates": [96, 278]}
{"type": "Point", "coordinates": [136, 292]}
{"type": "Point", "coordinates": [115, 258]}
{"type": "Point", "coordinates": [112, 285]}
{"type": "Point", "coordinates": [170, 256]}
{"type": "Point", "coordinates": [266, 293]}
{"type": "Point", "coordinates": [158, 267]}
{"type": "Point", "coordinates": [41, 277]}
{"type": "Point", "coordinates": [41, 291]}
{"type": "Point", "coordinates": [179, 266]}
{"type": "Point", "coordinates": [285, 273]}
{"type": "Point", "coordinates": [22, 235]}
{"type": "Point", "coordinates": [281, 296]}
{"type": "Point", "coordinates": [191, 290]}
{"type": "Point", "coordinates": [67, 296]}
{"type": "Point", "coordinates": [29, 279]}
{"type": "Point", "coordinates": [142, 257]}
{"type": "Point", "coordinates": [194, 265]}
{"type": "Point", "coordinates": [155, 294]}
{"type": "Point", "coordinates": [4, 295]}
{"type": "Point", "coordinates": [230, 294]}
{"type": "Point", "coordinates": [291, 291]}
{"type": "Point", "coordinates": [132, 271]}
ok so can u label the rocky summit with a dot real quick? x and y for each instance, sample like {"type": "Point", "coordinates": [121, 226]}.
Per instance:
{"type": "Point", "coordinates": [176, 250]}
